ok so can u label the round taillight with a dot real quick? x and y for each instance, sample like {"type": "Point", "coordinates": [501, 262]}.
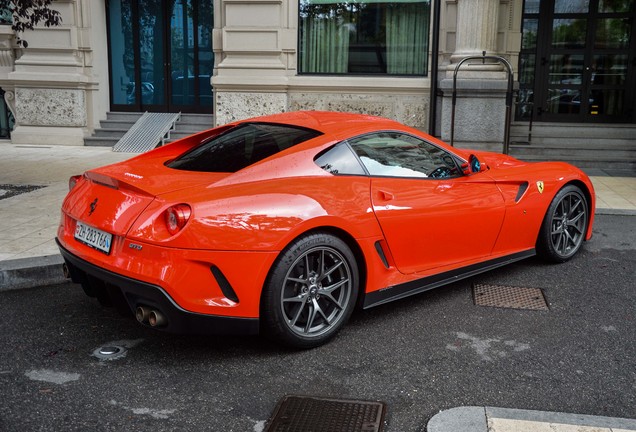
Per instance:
{"type": "Point", "coordinates": [73, 181]}
{"type": "Point", "coordinates": [176, 217]}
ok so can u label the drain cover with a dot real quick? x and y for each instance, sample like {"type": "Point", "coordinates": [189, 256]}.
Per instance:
{"type": "Point", "coordinates": [509, 297]}
{"type": "Point", "coordinates": [110, 352]}
{"type": "Point", "coordinates": [313, 414]}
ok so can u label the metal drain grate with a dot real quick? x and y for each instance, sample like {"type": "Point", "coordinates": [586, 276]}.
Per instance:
{"type": "Point", "coordinates": [509, 297]}
{"type": "Point", "coordinates": [313, 414]}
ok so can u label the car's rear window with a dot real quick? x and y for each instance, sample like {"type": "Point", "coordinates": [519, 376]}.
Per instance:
{"type": "Point", "coordinates": [242, 146]}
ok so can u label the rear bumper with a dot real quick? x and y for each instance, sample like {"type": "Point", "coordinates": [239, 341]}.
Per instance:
{"type": "Point", "coordinates": [133, 293]}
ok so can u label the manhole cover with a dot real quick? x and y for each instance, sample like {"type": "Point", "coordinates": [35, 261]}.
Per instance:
{"type": "Point", "coordinates": [313, 414]}
{"type": "Point", "coordinates": [509, 297]}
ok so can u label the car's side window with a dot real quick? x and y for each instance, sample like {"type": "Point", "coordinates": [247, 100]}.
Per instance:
{"type": "Point", "coordinates": [394, 154]}
{"type": "Point", "coordinates": [340, 160]}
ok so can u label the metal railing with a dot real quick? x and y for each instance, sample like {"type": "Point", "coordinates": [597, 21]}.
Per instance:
{"type": "Point", "coordinates": [509, 95]}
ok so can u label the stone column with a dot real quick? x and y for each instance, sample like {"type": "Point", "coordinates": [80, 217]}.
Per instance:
{"type": "Point", "coordinates": [481, 88]}
{"type": "Point", "coordinates": [7, 63]}
{"type": "Point", "coordinates": [476, 28]}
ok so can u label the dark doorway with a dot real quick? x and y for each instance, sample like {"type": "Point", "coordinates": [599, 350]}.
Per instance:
{"type": "Point", "coordinates": [161, 56]}
{"type": "Point", "coordinates": [578, 61]}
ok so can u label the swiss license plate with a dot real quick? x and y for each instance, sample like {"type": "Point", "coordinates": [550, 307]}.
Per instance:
{"type": "Point", "coordinates": [93, 237]}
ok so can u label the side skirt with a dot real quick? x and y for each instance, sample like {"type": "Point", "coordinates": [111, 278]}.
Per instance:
{"type": "Point", "coordinates": [397, 292]}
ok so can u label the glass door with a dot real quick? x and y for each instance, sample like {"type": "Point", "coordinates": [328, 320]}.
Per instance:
{"type": "Point", "coordinates": [161, 57]}
{"type": "Point", "coordinates": [578, 61]}
{"type": "Point", "coordinates": [191, 56]}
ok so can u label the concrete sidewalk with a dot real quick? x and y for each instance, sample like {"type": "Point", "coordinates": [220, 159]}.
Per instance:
{"type": "Point", "coordinates": [30, 216]}
{"type": "Point", "coordinates": [489, 419]}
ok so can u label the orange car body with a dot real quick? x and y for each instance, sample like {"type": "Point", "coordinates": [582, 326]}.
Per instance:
{"type": "Point", "coordinates": [408, 234]}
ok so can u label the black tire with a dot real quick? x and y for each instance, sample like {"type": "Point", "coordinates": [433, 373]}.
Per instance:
{"type": "Point", "coordinates": [564, 225]}
{"type": "Point", "coordinates": [310, 292]}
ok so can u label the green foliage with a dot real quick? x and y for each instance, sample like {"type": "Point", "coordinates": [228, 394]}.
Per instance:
{"type": "Point", "coordinates": [29, 13]}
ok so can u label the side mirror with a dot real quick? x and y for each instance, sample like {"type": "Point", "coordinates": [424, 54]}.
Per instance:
{"type": "Point", "coordinates": [473, 166]}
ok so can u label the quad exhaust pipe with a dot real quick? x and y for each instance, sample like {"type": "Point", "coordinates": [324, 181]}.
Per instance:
{"type": "Point", "coordinates": [66, 271]}
{"type": "Point", "coordinates": [152, 317]}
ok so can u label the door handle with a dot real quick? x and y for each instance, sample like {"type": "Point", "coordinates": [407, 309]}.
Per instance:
{"type": "Point", "coordinates": [386, 196]}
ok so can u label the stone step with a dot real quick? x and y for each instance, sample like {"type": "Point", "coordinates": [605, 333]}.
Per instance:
{"type": "Point", "coordinates": [567, 152]}
{"type": "Point", "coordinates": [114, 132]}
{"type": "Point", "coordinates": [598, 163]}
{"type": "Point", "coordinates": [100, 141]}
{"type": "Point", "coordinates": [116, 124]}
{"type": "Point", "coordinates": [124, 116]}
{"type": "Point", "coordinates": [572, 143]}
{"type": "Point", "coordinates": [198, 119]}
{"type": "Point", "coordinates": [587, 145]}
{"type": "Point", "coordinates": [576, 130]}
{"type": "Point", "coordinates": [175, 135]}
{"type": "Point", "coordinates": [190, 128]}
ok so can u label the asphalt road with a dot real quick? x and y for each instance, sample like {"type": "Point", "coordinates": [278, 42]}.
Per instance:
{"type": "Point", "coordinates": [421, 355]}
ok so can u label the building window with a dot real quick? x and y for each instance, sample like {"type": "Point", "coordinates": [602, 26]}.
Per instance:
{"type": "Point", "coordinates": [364, 37]}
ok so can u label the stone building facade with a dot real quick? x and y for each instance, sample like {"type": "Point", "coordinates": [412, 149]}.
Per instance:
{"type": "Point", "coordinates": [243, 58]}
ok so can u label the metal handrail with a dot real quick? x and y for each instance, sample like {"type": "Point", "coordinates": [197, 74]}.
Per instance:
{"type": "Point", "coordinates": [509, 97]}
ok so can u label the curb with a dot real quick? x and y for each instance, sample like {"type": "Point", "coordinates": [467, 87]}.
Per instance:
{"type": "Point", "coordinates": [475, 419]}
{"type": "Point", "coordinates": [614, 212]}
{"type": "Point", "coordinates": [461, 419]}
{"type": "Point", "coordinates": [31, 272]}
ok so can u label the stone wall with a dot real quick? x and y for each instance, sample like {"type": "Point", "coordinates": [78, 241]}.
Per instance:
{"type": "Point", "coordinates": [58, 96]}
{"type": "Point", "coordinates": [256, 71]}
{"type": "Point", "coordinates": [408, 109]}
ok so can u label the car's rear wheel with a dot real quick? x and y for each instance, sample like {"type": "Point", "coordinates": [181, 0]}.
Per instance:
{"type": "Point", "coordinates": [311, 291]}
{"type": "Point", "coordinates": [564, 226]}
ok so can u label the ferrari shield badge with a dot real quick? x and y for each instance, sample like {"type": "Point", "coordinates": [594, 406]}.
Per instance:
{"type": "Point", "coordinates": [540, 186]}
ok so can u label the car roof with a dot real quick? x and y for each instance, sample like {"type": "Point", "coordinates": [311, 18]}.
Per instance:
{"type": "Point", "coordinates": [329, 122]}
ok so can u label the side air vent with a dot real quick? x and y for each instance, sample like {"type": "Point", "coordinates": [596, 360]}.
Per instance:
{"type": "Point", "coordinates": [378, 248]}
{"type": "Point", "coordinates": [224, 284]}
{"type": "Point", "coordinates": [523, 187]}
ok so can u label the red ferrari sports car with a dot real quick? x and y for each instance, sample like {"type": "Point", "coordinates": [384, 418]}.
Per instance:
{"type": "Point", "coordinates": [283, 224]}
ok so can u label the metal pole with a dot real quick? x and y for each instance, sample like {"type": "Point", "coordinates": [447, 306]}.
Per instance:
{"type": "Point", "coordinates": [531, 120]}
{"type": "Point", "coordinates": [432, 119]}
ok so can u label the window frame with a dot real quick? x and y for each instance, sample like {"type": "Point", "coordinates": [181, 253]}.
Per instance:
{"type": "Point", "coordinates": [456, 159]}
{"type": "Point", "coordinates": [426, 60]}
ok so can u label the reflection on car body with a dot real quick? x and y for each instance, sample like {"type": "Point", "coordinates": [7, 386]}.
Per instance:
{"type": "Point", "coordinates": [283, 224]}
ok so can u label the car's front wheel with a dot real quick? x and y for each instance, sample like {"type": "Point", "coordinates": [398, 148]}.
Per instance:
{"type": "Point", "coordinates": [564, 225]}
{"type": "Point", "coordinates": [311, 291]}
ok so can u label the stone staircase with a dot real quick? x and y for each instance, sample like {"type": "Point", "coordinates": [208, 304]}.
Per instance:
{"type": "Point", "coordinates": [602, 146]}
{"type": "Point", "coordinates": [189, 124]}
{"type": "Point", "coordinates": [117, 124]}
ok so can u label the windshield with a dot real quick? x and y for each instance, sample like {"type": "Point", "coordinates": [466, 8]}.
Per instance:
{"type": "Point", "coordinates": [241, 147]}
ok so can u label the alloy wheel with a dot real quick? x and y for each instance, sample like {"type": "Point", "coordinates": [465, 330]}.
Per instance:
{"type": "Point", "coordinates": [568, 224]}
{"type": "Point", "coordinates": [316, 291]}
